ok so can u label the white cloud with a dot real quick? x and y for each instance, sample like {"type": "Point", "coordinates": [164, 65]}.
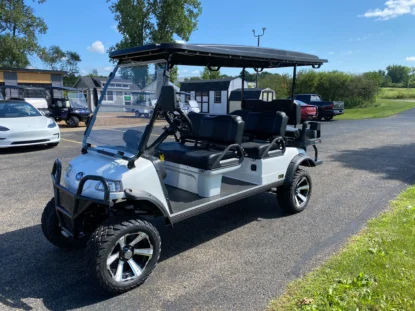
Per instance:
{"type": "Point", "coordinates": [196, 72]}
{"type": "Point", "coordinates": [331, 53]}
{"type": "Point", "coordinates": [393, 9]}
{"type": "Point", "coordinates": [97, 47]}
{"type": "Point", "coordinates": [30, 67]}
{"type": "Point", "coordinates": [108, 68]}
{"type": "Point", "coordinates": [84, 72]}
{"type": "Point", "coordinates": [410, 59]}
{"type": "Point", "coordinates": [347, 53]}
{"type": "Point", "coordinates": [181, 41]}
{"type": "Point", "coordinates": [185, 70]}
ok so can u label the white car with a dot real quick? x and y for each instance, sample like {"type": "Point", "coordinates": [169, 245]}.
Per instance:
{"type": "Point", "coordinates": [21, 124]}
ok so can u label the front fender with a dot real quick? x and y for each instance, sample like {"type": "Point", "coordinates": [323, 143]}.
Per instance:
{"type": "Point", "coordinates": [140, 195]}
{"type": "Point", "coordinates": [298, 160]}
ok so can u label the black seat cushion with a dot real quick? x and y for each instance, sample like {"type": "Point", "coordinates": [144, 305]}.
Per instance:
{"type": "Point", "coordinates": [255, 150]}
{"type": "Point", "coordinates": [195, 156]}
{"type": "Point", "coordinates": [292, 132]}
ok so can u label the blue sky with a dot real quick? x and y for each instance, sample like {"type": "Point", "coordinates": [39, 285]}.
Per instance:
{"type": "Point", "coordinates": [355, 35]}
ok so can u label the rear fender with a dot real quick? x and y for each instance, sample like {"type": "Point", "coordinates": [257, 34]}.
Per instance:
{"type": "Point", "coordinates": [296, 162]}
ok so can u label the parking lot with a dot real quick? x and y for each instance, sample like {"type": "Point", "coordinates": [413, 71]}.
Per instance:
{"type": "Point", "coordinates": [237, 257]}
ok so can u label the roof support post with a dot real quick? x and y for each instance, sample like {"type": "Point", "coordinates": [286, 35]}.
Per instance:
{"type": "Point", "coordinates": [243, 87]}
{"type": "Point", "coordinates": [294, 81]}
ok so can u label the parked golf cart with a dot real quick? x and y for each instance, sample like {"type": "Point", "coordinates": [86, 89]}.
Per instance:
{"type": "Point", "coordinates": [124, 179]}
{"type": "Point", "coordinates": [68, 104]}
{"type": "Point", "coordinates": [143, 106]}
{"type": "Point", "coordinates": [188, 103]}
{"type": "Point", "coordinates": [36, 96]}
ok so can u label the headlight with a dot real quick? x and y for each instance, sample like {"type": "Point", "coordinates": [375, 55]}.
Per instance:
{"type": "Point", "coordinates": [113, 185]}
{"type": "Point", "coordinates": [68, 170]}
{"type": "Point", "coordinates": [4, 129]}
{"type": "Point", "coordinates": [145, 110]}
{"type": "Point", "coordinates": [51, 124]}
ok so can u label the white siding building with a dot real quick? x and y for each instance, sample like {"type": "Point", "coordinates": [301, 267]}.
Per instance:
{"type": "Point", "coordinates": [212, 95]}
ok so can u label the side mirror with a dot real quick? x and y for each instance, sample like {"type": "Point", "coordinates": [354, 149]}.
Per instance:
{"type": "Point", "coordinates": [95, 96]}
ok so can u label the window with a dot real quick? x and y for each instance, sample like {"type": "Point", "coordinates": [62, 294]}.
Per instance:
{"type": "Point", "coordinates": [218, 97]}
{"type": "Point", "coordinates": [109, 97]}
{"type": "Point", "coordinates": [315, 98]}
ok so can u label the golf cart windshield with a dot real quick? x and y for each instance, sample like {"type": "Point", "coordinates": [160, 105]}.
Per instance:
{"type": "Point", "coordinates": [115, 129]}
{"type": "Point", "coordinates": [77, 99]}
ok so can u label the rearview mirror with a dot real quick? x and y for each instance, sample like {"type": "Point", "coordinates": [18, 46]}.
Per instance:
{"type": "Point", "coordinates": [95, 96]}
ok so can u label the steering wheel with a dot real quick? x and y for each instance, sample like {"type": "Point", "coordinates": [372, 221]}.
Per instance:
{"type": "Point", "coordinates": [182, 123]}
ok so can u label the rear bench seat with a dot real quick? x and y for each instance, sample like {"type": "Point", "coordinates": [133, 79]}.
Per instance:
{"type": "Point", "coordinates": [293, 112]}
{"type": "Point", "coordinates": [265, 132]}
{"type": "Point", "coordinates": [215, 143]}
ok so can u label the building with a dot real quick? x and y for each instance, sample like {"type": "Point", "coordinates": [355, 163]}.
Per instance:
{"type": "Point", "coordinates": [31, 77]}
{"type": "Point", "coordinates": [120, 91]}
{"type": "Point", "coordinates": [213, 95]}
{"type": "Point", "coordinates": [250, 93]}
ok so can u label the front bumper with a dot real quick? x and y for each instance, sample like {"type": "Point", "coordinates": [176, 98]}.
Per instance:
{"type": "Point", "coordinates": [36, 137]}
{"type": "Point", "coordinates": [69, 206]}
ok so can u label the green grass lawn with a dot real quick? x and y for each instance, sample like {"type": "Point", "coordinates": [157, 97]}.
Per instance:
{"type": "Point", "coordinates": [374, 271]}
{"type": "Point", "coordinates": [382, 109]}
{"type": "Point", "coordinates": [397, 93]}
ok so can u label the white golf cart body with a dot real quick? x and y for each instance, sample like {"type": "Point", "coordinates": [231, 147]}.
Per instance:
{"type": "Point", "coordinates": [128, 171]}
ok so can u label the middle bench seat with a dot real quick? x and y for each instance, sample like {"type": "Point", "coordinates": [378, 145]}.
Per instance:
{"type": "Point", "coordinates": [215, 143]}
{"type": "Point", "coordinates": [265, 133]}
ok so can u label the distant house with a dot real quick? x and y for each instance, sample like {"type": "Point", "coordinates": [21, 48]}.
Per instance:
{"type": "Point", "coordinates": [31, 77]}
{"type": "Point", "coordinates": [120, 91]}
{"type": "Point", "coordinates": [250, 93]}
{"type": "Point", "coordinates": [213, 95]}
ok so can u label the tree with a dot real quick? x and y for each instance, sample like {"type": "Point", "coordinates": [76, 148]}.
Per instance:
{"type": "Point", "coordinates": [209, 74]}
{"type": "Point", "coordinates": [375, 76]}
{"type": "Point", "coordinates": [19, 28]}
{"type": "Point", "coordinates": [144, 21]}
{"type": "Point", "coordinates": [55, 58]}
{"type": "Point", "coordinates": [94, 73]}
{"type": "Point", "coordinates": [398, 73]}
{"type": "Point", "coordinates": [249, 77]}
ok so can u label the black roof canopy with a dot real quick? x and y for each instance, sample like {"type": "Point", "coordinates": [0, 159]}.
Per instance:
{"type": "Point", "coordinates": [215, 55]}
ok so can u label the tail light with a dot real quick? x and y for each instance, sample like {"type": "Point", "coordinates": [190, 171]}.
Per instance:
{"type": "Point", "coordinates": [329, 107]}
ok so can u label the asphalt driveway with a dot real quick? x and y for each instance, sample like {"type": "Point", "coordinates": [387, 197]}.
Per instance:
{"type": "Point", "coordinates": [234, 258]}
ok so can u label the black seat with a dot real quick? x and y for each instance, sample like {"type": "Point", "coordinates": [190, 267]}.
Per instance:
{"type": "Point", "coordinates": [216, 143]}
{"type": "Point", "coordinates": [265, 132]}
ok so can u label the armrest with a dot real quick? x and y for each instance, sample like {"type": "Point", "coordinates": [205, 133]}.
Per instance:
{"type": "Point", "coordinates": [278, 140]}
{"type": "Point", "coordinates": [235, 147]}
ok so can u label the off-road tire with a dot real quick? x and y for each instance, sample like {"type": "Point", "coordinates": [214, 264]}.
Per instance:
{"type": "Point", "coordinates": [73, 121]}
{"type": "Point", "coordinates": [286, 193]}
{"type": "Point", "coordinates": [52, 230]}
{"type": "Point", "coordinates": [102, 243]}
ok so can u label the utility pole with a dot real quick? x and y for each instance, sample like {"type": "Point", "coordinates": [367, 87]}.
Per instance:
{"type": "Point", "coordinates": [258, 36]}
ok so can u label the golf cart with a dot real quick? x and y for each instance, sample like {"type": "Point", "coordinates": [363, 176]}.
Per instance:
{"type": "Point", "coordinates": [67, 104]}
{"type": "Point", "coordinates": [125, 178]}
{"type": "Point", "coordinates": [188, 103]}
{"type": "Point", "coordinates": [35, 96]}
{"type": "Point", "coordinates": [143, 106]}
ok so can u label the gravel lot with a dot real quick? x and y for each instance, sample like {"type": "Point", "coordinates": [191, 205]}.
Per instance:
{"type": "Point", "coordinates": [234, 258]}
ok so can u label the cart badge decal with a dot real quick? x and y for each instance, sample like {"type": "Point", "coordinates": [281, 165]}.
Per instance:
{"type": "Point", "coordinates": [79, 176]}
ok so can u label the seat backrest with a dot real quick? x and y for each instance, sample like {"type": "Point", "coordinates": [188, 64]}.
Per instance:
{"type": "Point", "coordinates": [167, 99]}
{"type": "Point", "coordinates": [263, 125]}
{"type": "Point", "coordinates": [220, 129]}
{"type": "Point", "coordinates": [288, 106]}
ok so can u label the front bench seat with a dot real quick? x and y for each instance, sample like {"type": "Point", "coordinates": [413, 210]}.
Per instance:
{"type": "Point", "coordinates": [219, 139]}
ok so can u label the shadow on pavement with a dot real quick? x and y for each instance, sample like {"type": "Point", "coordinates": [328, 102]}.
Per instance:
{"type": "Point", "coordinates": [394, 162]}
{"type": "Point", "coordinates": [25, 149]}
{"type": "Point", "coordinates": [34, 269]}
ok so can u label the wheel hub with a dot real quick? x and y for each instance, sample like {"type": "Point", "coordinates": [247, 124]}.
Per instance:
{"type": "Point", "coordinates": [126, 253]}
